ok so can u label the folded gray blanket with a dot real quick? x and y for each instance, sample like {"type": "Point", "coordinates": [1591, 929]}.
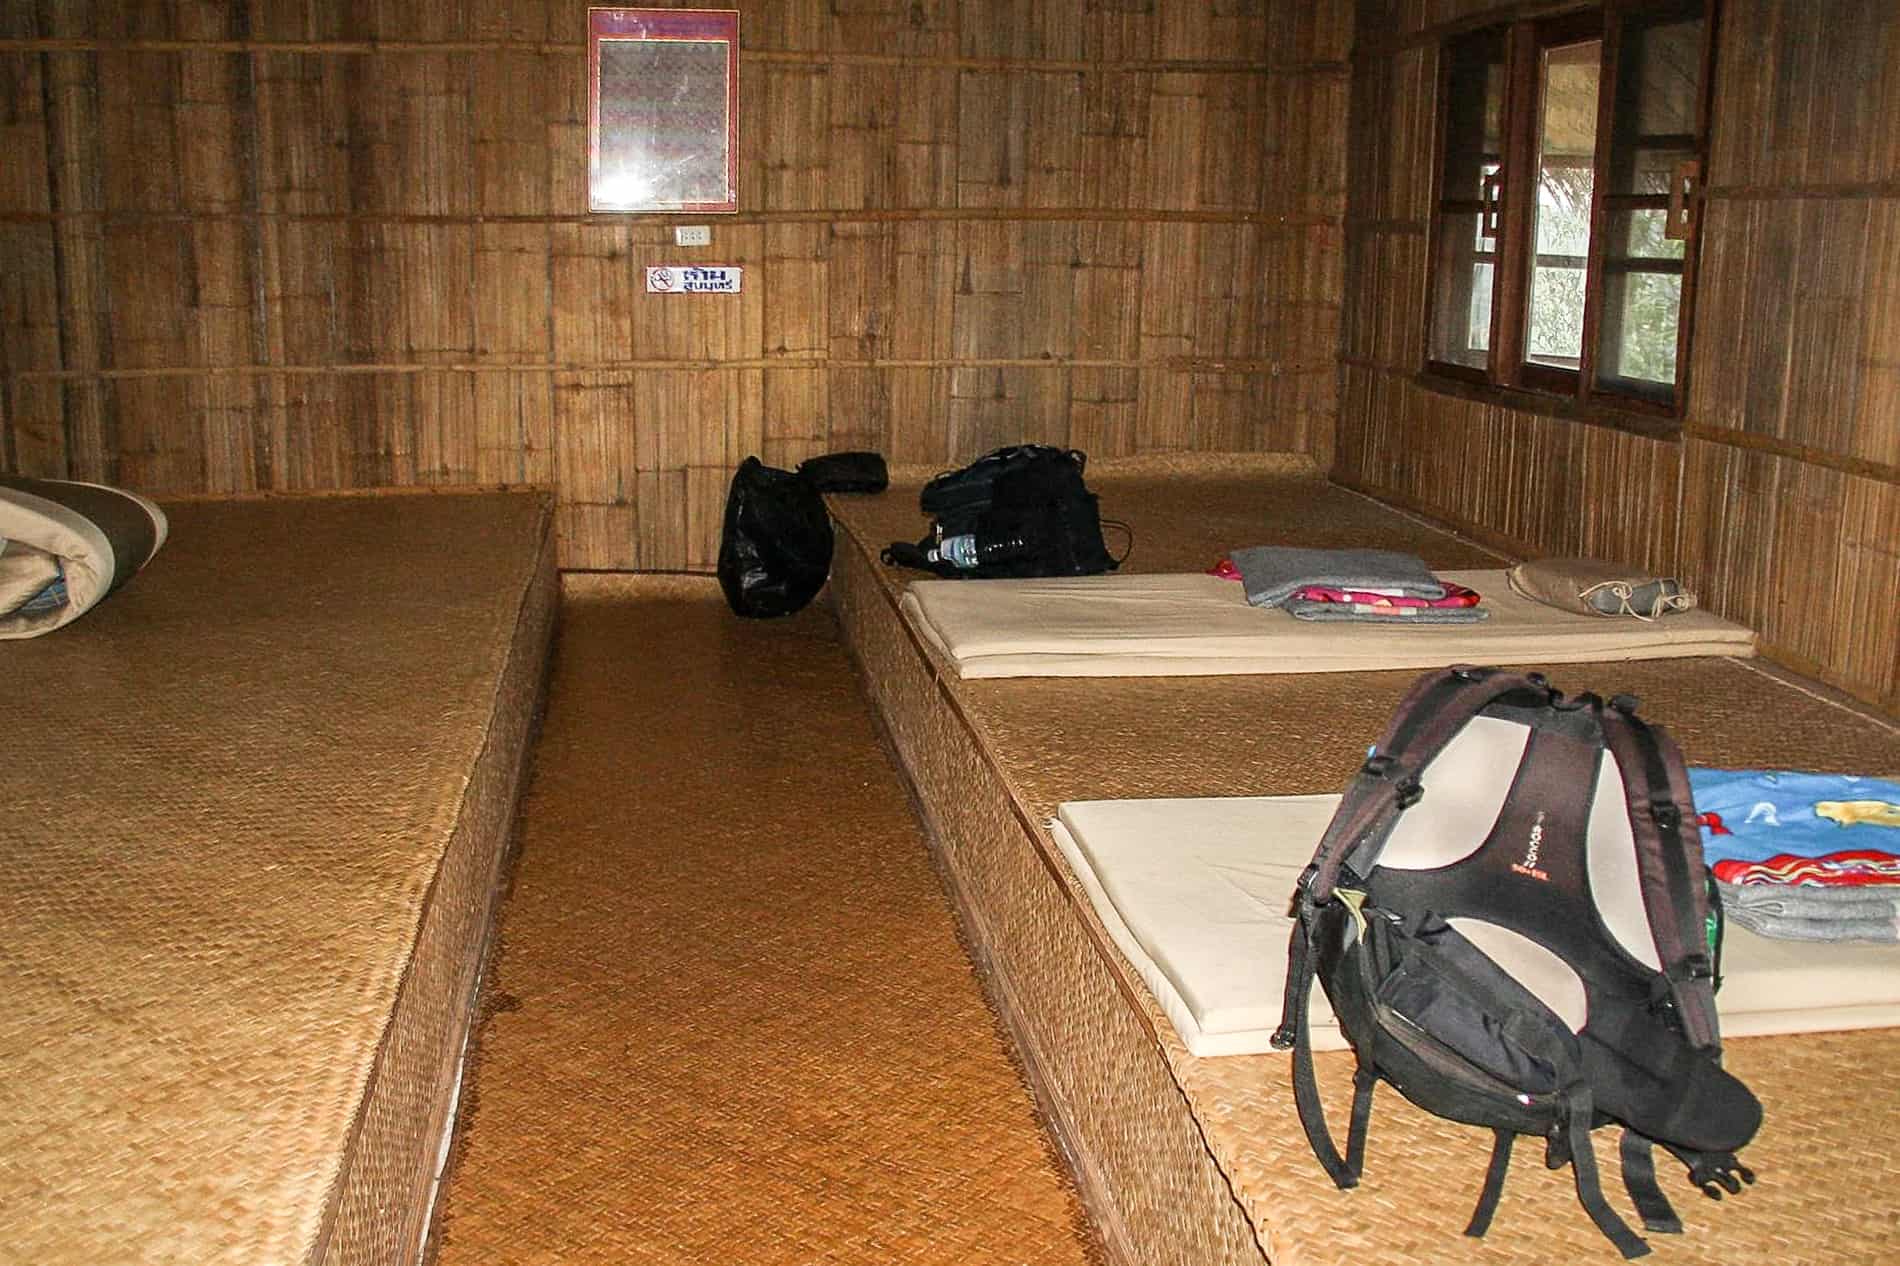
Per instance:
{"type": "Point", "coordinates": [1358, 613]}
{"type": "Point", "coordinates": [1802, 913]}
{"type": "Point", "coordinates": [1271, 573]}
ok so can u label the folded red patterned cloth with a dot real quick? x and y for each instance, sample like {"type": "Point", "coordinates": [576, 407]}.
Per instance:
{"type": "Point", "coordinates": [1455, 596]}
{"type": "Point", "coordinates": [1849, 866]}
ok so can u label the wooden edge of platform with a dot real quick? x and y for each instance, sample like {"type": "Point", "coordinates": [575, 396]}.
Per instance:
{"type": "Point", "coordinates": [1092, 1184]}
{"type": "Point", "coordinates": [525, 666]}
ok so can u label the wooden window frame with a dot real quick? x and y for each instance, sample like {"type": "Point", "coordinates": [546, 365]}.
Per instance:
{"type": "Point", "coordinates": [1508, 376]}
{"type": "Point", "coordinates": [1482, 207]}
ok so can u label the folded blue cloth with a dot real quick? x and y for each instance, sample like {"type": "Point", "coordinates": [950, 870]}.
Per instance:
{"type": "Point", "coordinates": [1766, 812]}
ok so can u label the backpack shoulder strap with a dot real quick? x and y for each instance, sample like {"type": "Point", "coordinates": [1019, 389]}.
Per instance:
{"type": "Point", "coordinates": [1436, 707]}
{"type": "Point", "coordinates": [1295, 1033]}
{"type": "Point", "coordinates": [1668, 863]}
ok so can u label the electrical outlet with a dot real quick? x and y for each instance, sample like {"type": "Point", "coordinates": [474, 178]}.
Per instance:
{"type": "Point", "coordinates": [692, 235]}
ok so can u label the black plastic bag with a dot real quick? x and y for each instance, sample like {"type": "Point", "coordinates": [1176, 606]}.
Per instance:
{"type": "Point", "coordinates": [775, 550]}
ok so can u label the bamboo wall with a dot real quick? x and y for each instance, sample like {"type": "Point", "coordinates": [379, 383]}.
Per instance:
{"type": "Point", "coordinates": [343, 244]}
{"type": "Point", "coordinates": [1780, 500]}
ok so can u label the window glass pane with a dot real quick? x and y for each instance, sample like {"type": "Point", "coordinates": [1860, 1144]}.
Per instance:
{"type": "Point", "coordinates": [1567, 131]}
{"type": "Point", "coordinates": [1474, 114]}
{"type": "Point", "coordinates": [1642, 303]}
{"type": "Point", "coordinates": [1658, 85]}
{"type": "Point", "coordinates": [1465, 253]}
{"type": "Point", "coordinates": [1556, 331]}
{"type": "Point", "coordinates": [1639, 235]}
{"type": "Point", "coordinates": [1639, 329]}
{"type": "Point", "coordinates": [1461, 325]}
{"type": "Point", "coordinates": [1658, 88]}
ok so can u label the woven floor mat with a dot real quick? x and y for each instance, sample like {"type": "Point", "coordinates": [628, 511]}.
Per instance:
{"type": "Point", "coordinates": [729, 1019]}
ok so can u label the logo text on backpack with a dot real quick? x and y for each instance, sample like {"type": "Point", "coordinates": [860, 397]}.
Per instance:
{"type": "Point", "coordinates": [1529, 865]}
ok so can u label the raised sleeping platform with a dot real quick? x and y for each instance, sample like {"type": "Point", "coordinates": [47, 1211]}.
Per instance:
{"type": "Point", "coordinates": [1202, 1160]}
{"type": "Point", "coordinates": [256, 807]}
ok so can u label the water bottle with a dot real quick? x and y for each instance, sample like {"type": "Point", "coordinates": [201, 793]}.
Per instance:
{"type": "Point", "coordinates": [958, 551]}
{"type": "Point", "coordinates": [966, 553]}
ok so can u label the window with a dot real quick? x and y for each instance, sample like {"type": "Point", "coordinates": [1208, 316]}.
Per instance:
{"type": "Point", "coordinates": [1564, 240]}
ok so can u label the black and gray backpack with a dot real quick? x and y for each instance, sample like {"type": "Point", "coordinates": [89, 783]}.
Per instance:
{"type": "Point", "coordinates": [1510, 916]}
{"type": "Point", "coordinates": [1017, 512]}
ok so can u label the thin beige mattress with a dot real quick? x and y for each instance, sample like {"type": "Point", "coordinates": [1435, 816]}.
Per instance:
{"type": "Point", "coordinates": [1194, 891]}
{"type": "Point", "coordinates": [255, 808]}
{"type": "Point", "coordinates": [1193, 1160]}
{"type": "Point", "coordinates": [1201, 626]}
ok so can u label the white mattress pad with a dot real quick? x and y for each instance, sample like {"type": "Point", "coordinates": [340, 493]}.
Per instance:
{"type": "Point", "coordinates": [1195, 894]}
{"type": "Point", "coordinates": [1198, 625]}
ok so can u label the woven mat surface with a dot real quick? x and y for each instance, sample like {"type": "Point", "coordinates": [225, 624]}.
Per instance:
{"type": "Point", "coordinates": [1832, 1100]}
{"type": "Point", "coordinates": [1828, 1190]}
{"type": "Point", "coordinates": [229, 790]}
{"type": "Point", "coordinates": [729, 1019]}
{"type": "Point", "coordinates": [1187, 510]}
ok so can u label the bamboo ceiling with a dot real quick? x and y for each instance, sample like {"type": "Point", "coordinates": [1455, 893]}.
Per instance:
{"type": "Point", "coordinates": [345, 245]}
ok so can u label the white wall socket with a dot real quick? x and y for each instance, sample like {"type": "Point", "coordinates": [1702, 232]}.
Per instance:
{"type": "Point", "coordinates": [692, 235]}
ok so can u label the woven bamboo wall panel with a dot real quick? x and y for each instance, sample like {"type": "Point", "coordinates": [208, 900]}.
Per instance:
{"type": "Point", "coordinates": [1746, 511]}
{"type": "Point", "coordinates": [1115, 29]}
{"type": "Point", "coordinates": [1384, 316]}
{"type": "Point", "coordinates": [1547, 486]}
{"type": "Point", "coordinates": [1778, 501]}
{"type": "Point", "coordinates": [1816, 102]}
{"type": "Point", "coordinates": [1391, 172]}
{"type": "Point", "coordinates": [1387, 19]}
{"type": "Point", "coordinates": [29, 297]}
{"type": "Point", "coordinates": [344, 244]}
{"type": "Point", "coordinates": [23, 183]}
{"type": "Point", "coordinates": [1796, 338]}
{"type": "Point", "coordinates": [344, 294]}
{"type": "Point", "coordinates": [1876, 432]}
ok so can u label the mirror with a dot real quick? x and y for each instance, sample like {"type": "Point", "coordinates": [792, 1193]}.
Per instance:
{"type": "Point", "coordinates": [663, 117]}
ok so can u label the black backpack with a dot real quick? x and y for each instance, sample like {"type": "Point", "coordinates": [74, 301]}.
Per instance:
{"type": "Point", "coordinates": [1450, 934]}
{"type": "Point", "coordinates": [1021, 511]}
